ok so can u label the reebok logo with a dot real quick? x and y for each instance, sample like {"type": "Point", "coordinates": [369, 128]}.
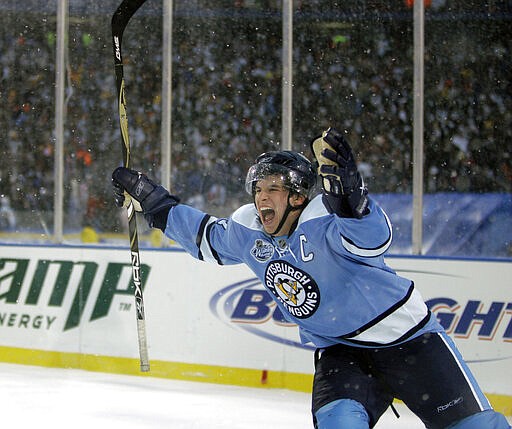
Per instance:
{"type": "Point", "coordinates": [450, 404]}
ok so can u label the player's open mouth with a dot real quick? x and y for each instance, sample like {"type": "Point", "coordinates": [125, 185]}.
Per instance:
{"type": "Point", "coordinates": [267, 215]}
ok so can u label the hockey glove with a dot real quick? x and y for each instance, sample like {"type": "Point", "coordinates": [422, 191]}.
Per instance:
{"type": "Point", "coordinates": [345, 193]}
{"type": "Point", "coordinates": [151, 199]}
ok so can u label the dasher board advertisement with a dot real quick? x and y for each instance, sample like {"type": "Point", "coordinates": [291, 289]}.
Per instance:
{"type": "Point", "coordinates": [79, 300]}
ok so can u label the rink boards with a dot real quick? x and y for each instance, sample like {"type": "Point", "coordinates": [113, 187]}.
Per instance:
{"type": "Point", "coordinates": [67, 306]}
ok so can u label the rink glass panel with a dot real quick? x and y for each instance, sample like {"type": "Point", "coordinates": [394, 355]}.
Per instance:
{"type": "Point", "coordinates": [353, 68]}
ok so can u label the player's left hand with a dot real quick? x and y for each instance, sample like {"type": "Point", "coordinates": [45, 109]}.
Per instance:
{"type": "Point", "coordinates": [342, 183]}
{"type": "Point", "coordinates": [336, 163]}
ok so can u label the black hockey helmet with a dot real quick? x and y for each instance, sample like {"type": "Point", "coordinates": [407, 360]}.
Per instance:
{"type": "Point", "coordinates": [295, 169]}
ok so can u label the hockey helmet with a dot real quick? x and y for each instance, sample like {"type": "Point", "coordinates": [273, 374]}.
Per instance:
{"type": "Point", "coordinates": [294, 168]}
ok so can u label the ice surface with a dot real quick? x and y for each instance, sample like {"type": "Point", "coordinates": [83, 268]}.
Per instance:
{"type": "Point", "coordinates": [64, 398]}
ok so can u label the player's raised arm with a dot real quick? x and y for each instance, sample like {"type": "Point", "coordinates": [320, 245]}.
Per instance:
{"type": "Point", "coordinates": [345, 195]}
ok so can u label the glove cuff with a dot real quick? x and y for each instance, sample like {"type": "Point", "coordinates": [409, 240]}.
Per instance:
{"type": "Point", "coordinates": [158, 219]}
{"type": "Point", "coordinates": [353, 205]}
{"type": "Point", "coordinates": [158, 199]}
{"type": "Point", "coordinates": [359, 204]}
{"type": "Point", "coordinates": [156, 207]}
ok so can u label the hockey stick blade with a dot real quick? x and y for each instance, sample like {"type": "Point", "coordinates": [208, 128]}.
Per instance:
{"type": "Point", "coordinates": [120, 20]}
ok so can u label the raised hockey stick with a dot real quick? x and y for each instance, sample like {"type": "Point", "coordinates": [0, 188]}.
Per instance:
{"type": "Point", "coordinates": [119, 22]}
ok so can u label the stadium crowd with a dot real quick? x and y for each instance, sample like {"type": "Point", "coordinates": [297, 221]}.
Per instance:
{"type": "Point", "coordinates": [226, 93]}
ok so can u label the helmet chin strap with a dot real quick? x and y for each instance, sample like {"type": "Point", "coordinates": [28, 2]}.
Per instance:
{"type": "Point", "coordinates": [289, 209]}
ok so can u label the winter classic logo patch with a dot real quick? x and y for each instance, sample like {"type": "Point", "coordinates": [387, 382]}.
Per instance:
{"type": "Point", "coordinates": [294, 288]}
{"type": "Point", "coordinates": [262, 250]}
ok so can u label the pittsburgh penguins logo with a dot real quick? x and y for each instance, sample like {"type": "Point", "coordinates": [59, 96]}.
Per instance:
{"type": "Point", "coordinates": [294, 288]}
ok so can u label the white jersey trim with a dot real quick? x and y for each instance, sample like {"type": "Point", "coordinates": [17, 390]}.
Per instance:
{"type": "Point", "coordinates": [396, 324]}
{"type": "Point", "coordinates": [204, 246]}
{"type": "Point", "coordinates": [370, 253]}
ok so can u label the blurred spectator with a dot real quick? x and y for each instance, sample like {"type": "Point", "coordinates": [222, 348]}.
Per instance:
{"type": "Point", "coordinates": [226, 102]}
{"type": "Point", "coordinates": [7, 216]}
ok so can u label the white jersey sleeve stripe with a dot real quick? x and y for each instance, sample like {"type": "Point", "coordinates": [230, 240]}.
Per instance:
{"type": "Point", "coordinates": [206, 252]}
{"type": "Point", "coordinates": [369, 253]}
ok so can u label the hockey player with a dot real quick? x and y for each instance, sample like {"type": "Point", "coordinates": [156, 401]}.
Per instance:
{"type": "Point", "coordinates": [321, 259]}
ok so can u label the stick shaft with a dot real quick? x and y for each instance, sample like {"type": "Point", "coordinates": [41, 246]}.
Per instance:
{"type": "Point", "coordinates": [120, 20]}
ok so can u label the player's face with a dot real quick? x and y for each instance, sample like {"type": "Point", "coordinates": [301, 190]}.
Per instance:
{"type": "Point", "coordinates": [271, 198]}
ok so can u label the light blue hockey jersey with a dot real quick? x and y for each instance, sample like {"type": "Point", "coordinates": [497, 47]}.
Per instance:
{"type": "Point", "coordinates": [329, 276]}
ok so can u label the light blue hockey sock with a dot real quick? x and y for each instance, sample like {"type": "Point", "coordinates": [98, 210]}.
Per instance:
{"type": "Point", "coordinates": [343, 413]}
{"type": "Point", "coordinates": [488, 419]}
